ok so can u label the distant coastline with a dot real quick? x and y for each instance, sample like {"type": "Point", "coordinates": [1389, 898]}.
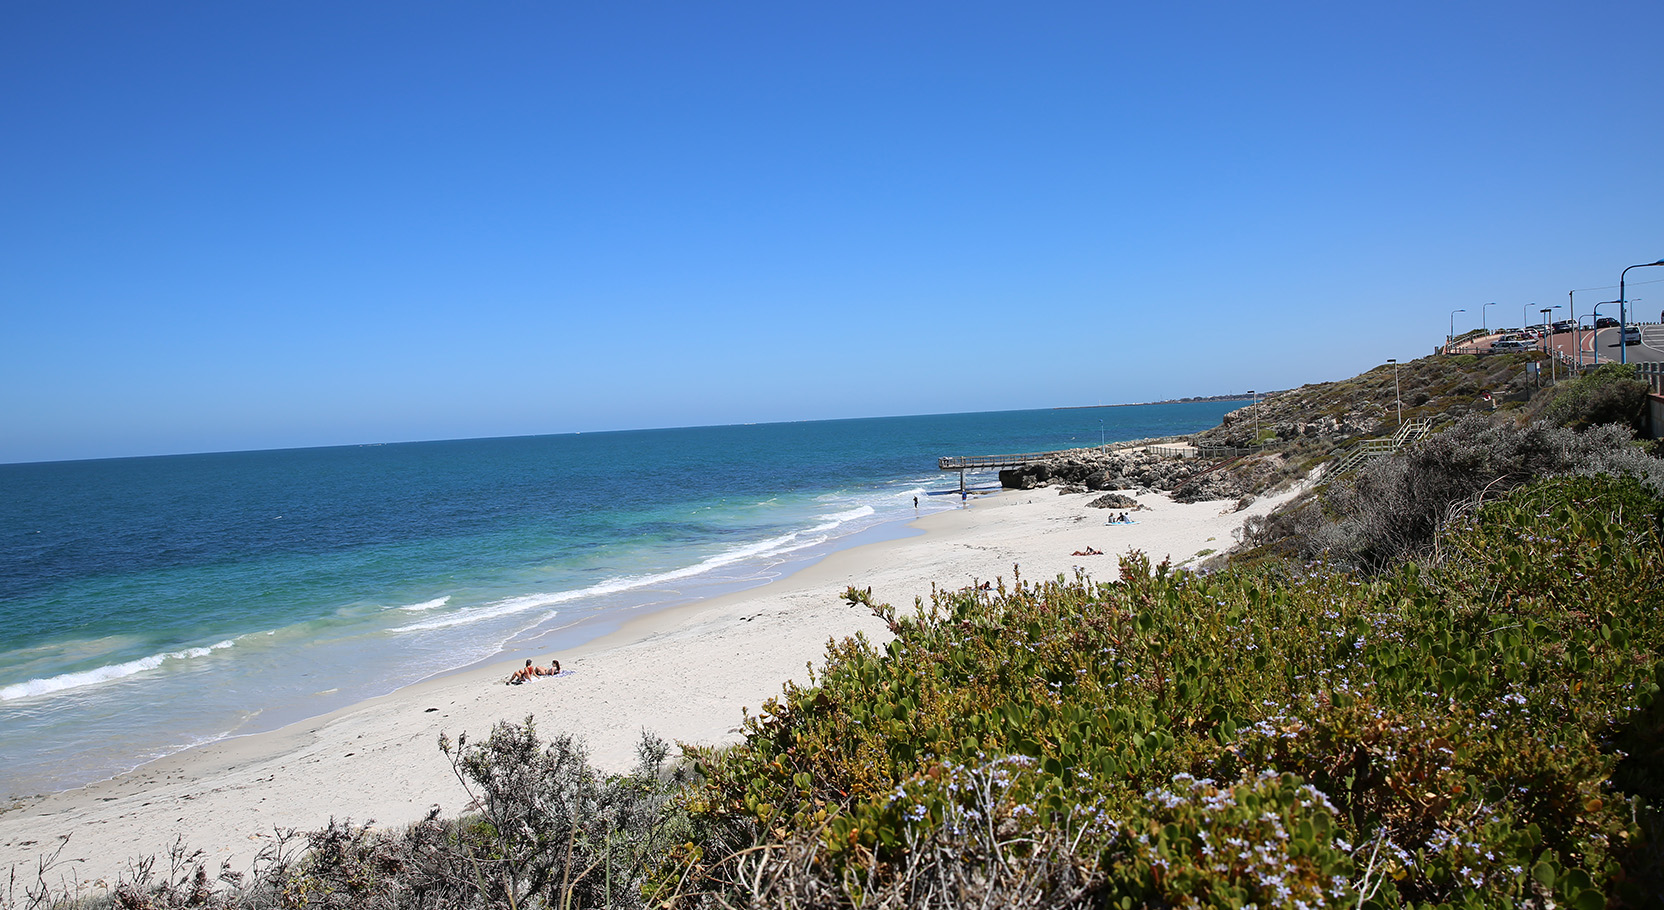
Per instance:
{"type": "Point", "coordinates": [1137, 404]}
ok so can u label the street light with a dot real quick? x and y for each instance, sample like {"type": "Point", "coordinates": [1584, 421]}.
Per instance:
{"type": "Point", "coordinates": [1483, 322]}
{"type": "Point", "coordinates": [1548, 339]}
{"type": "Point", "coordinates": [1577, 327]}
{"type": "Point", "coordinates": [1623, 349]}
{"type": "Point", "coordinates": [1397, 400]}
{"type": "Point", "coordinates": [1594, 338]}
{"type": "Point", "coordinates": [1452, 336]}
{"type": "Point", "coordinates": [1596, 345]}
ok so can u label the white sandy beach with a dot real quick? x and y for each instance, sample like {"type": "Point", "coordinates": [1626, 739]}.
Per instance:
{"type": "Point", "coordinates": [684, 674]}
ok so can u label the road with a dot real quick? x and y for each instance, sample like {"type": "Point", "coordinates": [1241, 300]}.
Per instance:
{"type": "Point", "coordinates": [1651, 348]}
{"type": "Point", "coordinates": [1605, 341]}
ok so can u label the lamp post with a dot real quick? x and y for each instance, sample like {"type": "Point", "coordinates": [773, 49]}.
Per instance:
{"type": "Point", "coordinates": [1548, 341]}
{"type": "Point", "coordinates": [1448, 339]}
{"type": "Point", "coordinates": [1525, 318]}
{"type": "Point", "coordinates": [1596, 345]}
{"type": "Point", "coordinates": [1577, 326]}
{"type": "Point", "coordinates": [1483, 322]}
{"type": "Point", "coordinates": [1396, 398]}
{"type": "Point", "coordinates": [1623, 349]}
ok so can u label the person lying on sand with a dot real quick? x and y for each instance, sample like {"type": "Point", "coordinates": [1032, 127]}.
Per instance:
{"type": "Point", "coordinates": [529, 671]}
{"type": "Point", "coordinates": [1087, 552]}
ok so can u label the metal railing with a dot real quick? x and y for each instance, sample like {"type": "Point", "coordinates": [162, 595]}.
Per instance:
{"type": "Point", "coordinates": [1228, 451]}
{"type": "Point", "coordinates": [1406, 434]}
{"type": "Point", "coordinates": [1205, 452]}
{"type": "Point", "coordinates": [1653, 373]}
{"type": "Point", "coordinates": [971, 462]}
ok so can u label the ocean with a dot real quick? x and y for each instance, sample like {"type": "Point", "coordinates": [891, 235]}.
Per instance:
{"type": "Point", "coordinates": [148, 605]}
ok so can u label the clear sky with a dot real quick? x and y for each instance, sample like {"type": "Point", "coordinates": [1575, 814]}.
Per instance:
{"type": "Point", "coordinates": [252, 224]}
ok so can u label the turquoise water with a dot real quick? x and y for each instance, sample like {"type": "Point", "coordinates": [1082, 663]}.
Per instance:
{"type": "Point", "coordinates": [152, 604]}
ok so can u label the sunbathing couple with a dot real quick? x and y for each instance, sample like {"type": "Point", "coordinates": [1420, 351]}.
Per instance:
{"type": "Point", "coordinates": [529, 671]}
{"type": "Point", "coordinates": [1087, 552]}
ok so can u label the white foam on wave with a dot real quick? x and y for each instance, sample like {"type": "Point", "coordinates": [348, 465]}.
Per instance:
{"type": "Point", "coordinates": [426, 605]}
{"type": "Point", "coordinates": [507, 607]}
{"type": "Point", "coordinates": [83, 678]}
{"type": "Point", "coordinates": [784, 543]}
{"type": "Point", "coordinates": [837, 519]}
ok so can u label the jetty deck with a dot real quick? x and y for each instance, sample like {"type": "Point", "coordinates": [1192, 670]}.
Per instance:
{"type": "Point", "coordinates": [974, 462]}
{"type": "Point", "coordinates": [963, 463]}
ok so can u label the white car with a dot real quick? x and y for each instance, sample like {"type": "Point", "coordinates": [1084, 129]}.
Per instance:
{"type": "Point", "coordinates": [1632, 334]}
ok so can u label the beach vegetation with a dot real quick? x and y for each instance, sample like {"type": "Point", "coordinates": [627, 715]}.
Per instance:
{"type": "Point", "coordinates": [547, 830]}
{"type": "Point", "coordinates": [1610, 393]}
{"type": "Point", "coordinates": [1451, 733]}
{"type": "Point", "coordinates": [1392, 509]}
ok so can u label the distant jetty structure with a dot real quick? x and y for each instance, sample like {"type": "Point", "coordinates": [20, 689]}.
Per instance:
{"type": "Point", "coordinates": [963, 463]}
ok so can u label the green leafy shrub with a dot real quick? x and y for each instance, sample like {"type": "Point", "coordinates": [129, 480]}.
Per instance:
{"type": "Point", "coordinates": [1610, 393]}
{"type": "Point", "coordinates": [1438, 735]}
{"type": "Point", "coordinates": [1394, 507]}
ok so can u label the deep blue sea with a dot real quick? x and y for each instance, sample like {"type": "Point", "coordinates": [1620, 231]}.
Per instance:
{"type": "Point", "coordinates": [151, 604]}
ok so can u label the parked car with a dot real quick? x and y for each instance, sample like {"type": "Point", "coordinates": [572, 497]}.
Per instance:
{"type": "Point", "coordinates": [1606, 322]}
{"type": "Point", "coordinates": [1511, 344]}
{"type": "Point", "coordinates": [1565, 325]}
{"type": "Point", "coordinates": [1632, 334]}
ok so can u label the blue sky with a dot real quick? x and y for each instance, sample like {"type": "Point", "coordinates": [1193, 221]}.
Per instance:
{"type": "Point", "coordinates": [257, 224]}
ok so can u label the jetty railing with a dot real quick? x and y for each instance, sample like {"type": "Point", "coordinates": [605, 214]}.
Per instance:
{"type": "Point", "coordinates": [963, 463]}
{"type": "Point", "coordinates": [972, 462]}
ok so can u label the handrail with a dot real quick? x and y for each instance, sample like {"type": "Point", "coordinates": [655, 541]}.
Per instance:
{"type": "Point", "coordinates": [1407, 433]}
{"type": "Point", "coordinates": [1653, 373]}
{"type": "Point", "coordinates": [963, 462]}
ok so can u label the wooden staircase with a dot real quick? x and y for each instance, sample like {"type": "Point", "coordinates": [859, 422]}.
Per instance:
{"type": "Point", "coordinates": [1407, 433]}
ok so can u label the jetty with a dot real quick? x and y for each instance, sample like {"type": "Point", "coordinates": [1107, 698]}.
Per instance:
{"type": "Point", "coordinates": [963, 463]}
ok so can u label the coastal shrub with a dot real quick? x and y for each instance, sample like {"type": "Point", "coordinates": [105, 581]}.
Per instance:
{"type": "Point", "coordinates": [1394, 507]}
{"type": "Point", "coordinates": [552, 830]}
{"type": "Point", "coordinates": [1438, 735]}
{"type": "Point", "coordinates": [961, 844]}
{"type": "Point", "coordinates": [1610, 393]}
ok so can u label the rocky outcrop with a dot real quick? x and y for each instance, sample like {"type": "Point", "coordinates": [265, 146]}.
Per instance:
{"type": "Point", "coordinates": [1097, 471]}
{"type": "Point", "coordinates": [1314, 412]}
{"type": "Point", "coordinates": [1210, 485]}
{"type": "Point", "coordinates": [1115, 501]}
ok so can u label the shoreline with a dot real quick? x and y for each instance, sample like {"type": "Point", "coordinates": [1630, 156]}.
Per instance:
{"type": "Point", "coordinates": [687, 673]}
